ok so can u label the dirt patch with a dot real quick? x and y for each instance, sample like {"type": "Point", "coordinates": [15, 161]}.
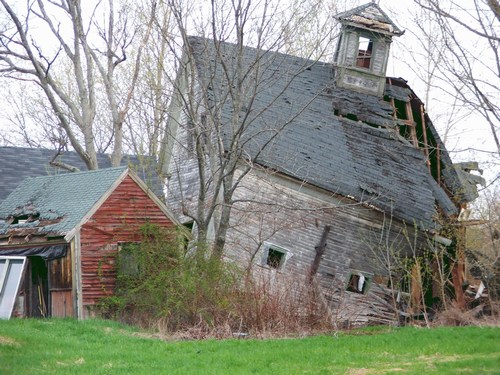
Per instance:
{"type": "Point", "coordinates": [358, 371]}
{"type": "Point", "coordinates": [367, 371]}
{"type": "Point", "coordinates": [8, 341]}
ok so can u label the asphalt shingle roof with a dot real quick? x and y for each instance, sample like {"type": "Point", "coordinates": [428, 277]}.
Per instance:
{"type": "Point", "coordinates": [61, 200]}
{"type": "Point", "coordinates": [19, 163]}
{"type": "Point", "coordinates": [295, 115]}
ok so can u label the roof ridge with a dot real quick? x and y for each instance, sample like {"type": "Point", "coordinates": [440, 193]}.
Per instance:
{"type": "Point", "coordinates": [344, 16]}
{"type": "Point", "coordinates": [99, 170]}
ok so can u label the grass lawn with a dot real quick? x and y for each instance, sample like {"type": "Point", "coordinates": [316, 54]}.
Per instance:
{"type": "Point", "coordinates": [102, 347]}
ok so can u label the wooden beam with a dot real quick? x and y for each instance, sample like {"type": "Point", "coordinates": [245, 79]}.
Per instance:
{"type": "Point", "coordinates": [320, 250]}
{"type": "Point", "coordinates": [413, 132]}
{"type": "Point", "coordinates": [438, 157]}
{"type": "Point", "coordinates": [424, 132]}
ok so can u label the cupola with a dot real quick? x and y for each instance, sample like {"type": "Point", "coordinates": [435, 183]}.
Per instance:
{"type": "Point", "coordinates": [363, 48]}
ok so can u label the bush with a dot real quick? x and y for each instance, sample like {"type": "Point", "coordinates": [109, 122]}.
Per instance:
{"type": "Point", "coordinates": [159, 279]}
{"type": "Point", "coordinates": [162, 283]}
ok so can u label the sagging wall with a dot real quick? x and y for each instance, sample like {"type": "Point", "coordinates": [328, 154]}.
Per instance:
{"type": "Point", "coordinates": [279, 212]}
{"type": "Point", "coordinates": [117, 220]}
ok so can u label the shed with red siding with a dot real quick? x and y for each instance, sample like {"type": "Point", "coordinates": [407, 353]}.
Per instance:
{"type": "Point", "coordinates": [69, 228]}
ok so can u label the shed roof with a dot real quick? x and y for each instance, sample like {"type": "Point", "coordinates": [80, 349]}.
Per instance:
{"type": "Point", "coordinates": [295, 118]}
{"type": "Point", "coordinates": [19, 163]}
{"type": "Point", "coordinates": [57, 204]}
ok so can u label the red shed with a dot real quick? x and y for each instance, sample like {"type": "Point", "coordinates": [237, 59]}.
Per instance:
{"type": "Point", "coordinates": [59, 236]}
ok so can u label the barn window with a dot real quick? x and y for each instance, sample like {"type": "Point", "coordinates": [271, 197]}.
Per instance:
{"type": "Point", "coordinates": [274, 256]}
{"type": "Point", "coordinates": [128, 259]}
{"type": "Point", "coordinates": [358, 282]}
{"type": "Point", "coordinates": [365, 49]}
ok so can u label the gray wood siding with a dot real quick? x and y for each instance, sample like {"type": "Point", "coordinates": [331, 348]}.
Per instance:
{"type": "Point", "coordinates": [379, 56]}
{"type": "Point", "coordinates": [292, 216]}
{"type": "Point", "coordinates": [183, 182]}
{"type": "Point", "coordinates": [351, 48]}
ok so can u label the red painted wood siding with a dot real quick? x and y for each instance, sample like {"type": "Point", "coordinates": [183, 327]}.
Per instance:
{"type": "Point", "coordinates": [117, 220]}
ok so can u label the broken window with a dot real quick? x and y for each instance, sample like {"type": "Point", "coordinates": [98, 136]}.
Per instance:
{"type": "Point", "coordinates": [274, 256]}
{"type": "Point", "coordinates": [365, 48]}
{"type": "Point", "coordinates": [11, 274]}
{"type": "Point", "coordinates": [358, 282]}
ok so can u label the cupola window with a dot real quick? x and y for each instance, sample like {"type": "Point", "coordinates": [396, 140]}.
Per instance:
{"type": "Point", "coordinates": [365, 50]}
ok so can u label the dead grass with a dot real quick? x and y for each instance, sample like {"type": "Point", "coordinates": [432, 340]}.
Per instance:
{"type": "Point", "coordinates": [268, 306]}
{"type": "Point", "coordinates": [8, 341]}
{"type": "Point", "coordinates": [454, 316]}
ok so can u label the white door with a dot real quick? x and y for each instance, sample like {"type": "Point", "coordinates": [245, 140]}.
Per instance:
{"type": "Point", "coordinates": [11, 274]}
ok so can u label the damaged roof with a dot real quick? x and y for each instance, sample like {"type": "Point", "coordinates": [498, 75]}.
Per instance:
{"type": "Point", "coordinates": [19, 163]}
{"type": "Point", "coordinates": [371, 17]}
{"type": "Point", "coordinates": [54, 205]}
{"type": "Point", "coordinates": [295, 117]}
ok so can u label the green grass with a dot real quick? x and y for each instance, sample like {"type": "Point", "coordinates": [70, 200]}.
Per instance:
{"type": "Point", "coordinates": [102, 347]}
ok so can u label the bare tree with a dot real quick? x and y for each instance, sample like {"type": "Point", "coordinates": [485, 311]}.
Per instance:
{"type": "Point", "coordinates": [216, 105]}
{"type": "Point", "coordinates": [147, 118]}
{"type": "Point", "coordinates": [77, 76]}
{"type": "Point", "coordinates": [464, 55]}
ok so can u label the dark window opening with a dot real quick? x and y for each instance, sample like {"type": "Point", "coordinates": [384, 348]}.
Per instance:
{"type": "Point", "coordinates": [365, 48]}
{"type": "Point", "coordinates": [128, 259]}
{"type": "Point", "coordinates": [358, 283]}
{"type": "Point", "coordinates": [275, 258]}
{"type": "Point", "coordinates": [189, 225]}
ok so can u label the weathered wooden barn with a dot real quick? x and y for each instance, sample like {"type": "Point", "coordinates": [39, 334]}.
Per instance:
{"type": "Point", "coordinates": [346, 167]}
{"type": "Point", "coordinates": [59, 236]}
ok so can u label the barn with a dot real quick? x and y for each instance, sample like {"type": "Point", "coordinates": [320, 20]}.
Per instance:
{"type": "Point", "coordinates": [59, 237]}
{"type": "Point", "coordinates": [317, 170]}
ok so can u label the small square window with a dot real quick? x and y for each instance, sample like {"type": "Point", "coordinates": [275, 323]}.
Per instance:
{"type": "Point", "coordinates": [274, 256]}
{"type": "Point", "coordinates": [358, 283]}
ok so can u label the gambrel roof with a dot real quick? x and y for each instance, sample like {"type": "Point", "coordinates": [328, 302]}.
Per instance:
{"type": "Point", "coordinates": [342, 141]}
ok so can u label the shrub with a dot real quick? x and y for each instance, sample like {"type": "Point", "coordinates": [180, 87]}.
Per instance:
{"type": "Point", "coordinates": [160, 279]}
{"type": "Point", "coordinates": [162, 283]}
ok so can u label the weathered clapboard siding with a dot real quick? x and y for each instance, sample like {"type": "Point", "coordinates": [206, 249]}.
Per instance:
{"type": "Point", "coordinates": [181, 166]}
{"type": "Point", "coordinates": [117, 220]}
{"type": "Point", "coordinates": [297, 223]}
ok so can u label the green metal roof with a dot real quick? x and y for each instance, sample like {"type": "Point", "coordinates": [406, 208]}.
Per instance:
{"type": "Point", "coordinates": [54, 205]}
